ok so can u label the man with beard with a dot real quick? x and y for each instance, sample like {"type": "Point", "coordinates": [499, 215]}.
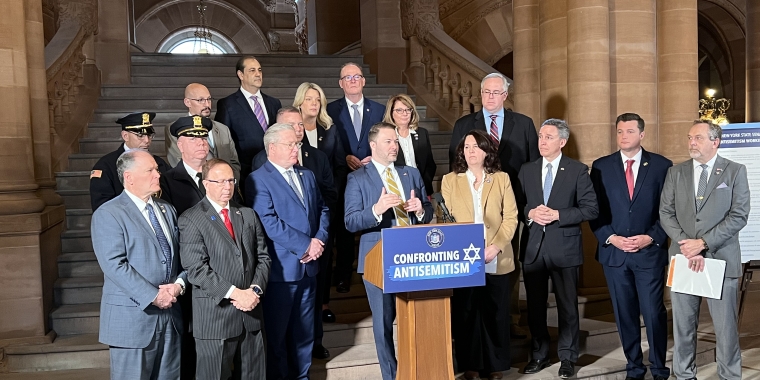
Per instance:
{"type": "Point", "coordinates": [198, 102]}
{"type": "Point", "coordinates": [137, 133]}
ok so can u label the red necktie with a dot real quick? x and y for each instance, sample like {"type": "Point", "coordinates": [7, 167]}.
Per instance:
{"type": "Point", "coordinates": [227, 222]}
{"type": "Point", "coordinates": [629, 177]}
{"type": "Point", "coordinates": [494, 130]}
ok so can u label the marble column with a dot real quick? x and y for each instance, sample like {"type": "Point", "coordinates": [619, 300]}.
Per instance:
{"type": "Point", "coordinates": [112, 42]}
{"type": "Point", "coordinates": [332, 25]}
{"type": "Point", "coordinates": [552, 19]}
{"type": "Point", "coordinates": [383, 47]}
{"type": "Point", "coordinates": [677, 76]}
{"type": "Point", "coordinates": [633, 63]}
{"type": "Point", "coordinates": [753, 61]}
{"type": "Point", "coordinates": [527, 85]}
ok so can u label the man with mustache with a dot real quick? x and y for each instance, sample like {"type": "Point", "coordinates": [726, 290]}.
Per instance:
{"type": "Point", "coordinates": [198, 102]}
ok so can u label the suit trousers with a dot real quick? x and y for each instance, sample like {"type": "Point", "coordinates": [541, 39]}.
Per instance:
{"type": "Point", "coordinates": [159, 361]}
{"type": "Point", "coordinates": [638, 291]}
{"type": "Point", "coordinates": [289, 327]}
{"type": "Point", "coordinates": [345, 243]}
{"type": "Point", "coordinates": [383, 308]}
{"type": "Point", "coordinates": [724, 313]}
{"type": "Point", "coordinates": [565, 283]}
{"type": "Point", "coordinates": [239, 358]}
{"type": "Point", "coordinates": [322, 294]}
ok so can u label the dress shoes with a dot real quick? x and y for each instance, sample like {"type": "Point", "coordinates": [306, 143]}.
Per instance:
{"type": "Point", "coordinates": [566, 369]}
{"type": "Point", "coordinates": [328, 316]}
{"type": "Point", "coordinates": [343, 287]}
{"type": "Point", "coordinates": [535, 366]}
{"type": "Point", "coordinates": [471, 375]}
{"type": "Point", "coordinates": [495, 376]}
{"type": "Point", "coordinates": [320, 352]}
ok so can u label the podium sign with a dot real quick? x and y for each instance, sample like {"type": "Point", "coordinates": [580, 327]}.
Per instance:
{"type": "Point", "coordinates": [425, 257]}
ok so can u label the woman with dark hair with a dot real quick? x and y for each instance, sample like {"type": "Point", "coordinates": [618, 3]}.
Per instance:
{"type": "Point", "coordinates": [477, 191]}
{"type": "Point", "coordinates": [414, 142]}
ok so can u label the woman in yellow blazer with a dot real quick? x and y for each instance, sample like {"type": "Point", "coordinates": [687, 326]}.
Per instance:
{"type": "Point", "coordinates": [477, 191]}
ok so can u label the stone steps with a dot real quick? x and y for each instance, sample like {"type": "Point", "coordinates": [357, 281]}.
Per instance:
{"type": "Point", "coordinates": [229, 60]}
{"type": "Point", "coordinates": [205, 71]}
{"type": "Point", "coordinates": [285, 91]}
{"type": "Point", "coordinates": [175, 102]}
{"type": "Point", "coordinates": [66, 352]}
{"type": "Point", "coordinates": [231, 80]}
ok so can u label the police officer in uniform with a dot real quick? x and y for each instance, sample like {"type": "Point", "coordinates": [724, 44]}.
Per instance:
{"type": "Point", "coordinates": [137, 133]}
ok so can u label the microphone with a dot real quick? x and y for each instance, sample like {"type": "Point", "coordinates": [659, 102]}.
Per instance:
{"type": "Point", "coordinates": [447, 217]}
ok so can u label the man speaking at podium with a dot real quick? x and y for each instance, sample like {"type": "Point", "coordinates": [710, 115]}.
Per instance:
{"type": "Point", "coordinates": [381, 195]}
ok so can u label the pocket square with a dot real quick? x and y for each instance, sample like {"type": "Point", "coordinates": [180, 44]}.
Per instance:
{"type": "Point", "coordinates": [722, 186]}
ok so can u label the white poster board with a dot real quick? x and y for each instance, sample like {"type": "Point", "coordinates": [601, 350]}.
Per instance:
{"type": "Point", "coordinates": [741, 143]}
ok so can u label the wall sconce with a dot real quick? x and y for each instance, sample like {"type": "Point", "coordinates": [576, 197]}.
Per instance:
{"type": "Point", "coordinates": [711, 109]}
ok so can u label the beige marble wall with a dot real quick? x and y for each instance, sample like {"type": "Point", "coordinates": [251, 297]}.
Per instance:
{"type": "Point", "coordinates": [112, 42]}
{"type": "Point", "coordinates": [527, 72]}
{"type": "Point", "coordinates": [753, 61]}
{"type": "Point", "coordinates": [322, 18]}
{"type": "Point", "coordinates": [552, 19]}
{"type": "Point", "coordinates": [382, 45]}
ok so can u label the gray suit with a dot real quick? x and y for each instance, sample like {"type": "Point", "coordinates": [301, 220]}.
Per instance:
{"type": "Point", "coordinates": [214, 263]}
{"type": "Point", "coordinates": [224, 148]}
{"type": "Point", "coordinates": [134, 266]}
{"type": "Point", "coordinates": [723, 214]}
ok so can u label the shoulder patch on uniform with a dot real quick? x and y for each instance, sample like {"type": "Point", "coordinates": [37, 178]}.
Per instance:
{"type": "Point", "coordinates": [95, 174]}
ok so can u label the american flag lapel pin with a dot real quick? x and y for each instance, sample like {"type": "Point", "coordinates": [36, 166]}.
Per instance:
{"type": "Point", "coordinates": [213, 217]}
{"type": "Point", "coordinates": [718, 170]}
{"type": "Point", "coordinates": [646, 163]}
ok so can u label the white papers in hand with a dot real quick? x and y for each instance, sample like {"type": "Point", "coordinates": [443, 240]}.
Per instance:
{"type": "Point", "coordinates": [708, 283]}
{"type": "Point", "coordinates": [491, 267]}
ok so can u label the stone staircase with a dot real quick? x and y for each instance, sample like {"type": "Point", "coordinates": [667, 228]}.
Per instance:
{"type": "Point", "coordinates": [158, 83]}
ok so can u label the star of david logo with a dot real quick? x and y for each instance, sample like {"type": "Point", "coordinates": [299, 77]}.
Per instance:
{"type": "Point", "coordinates": [467, 256]}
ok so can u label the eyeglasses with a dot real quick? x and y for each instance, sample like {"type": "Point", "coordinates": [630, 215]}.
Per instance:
{"type": "Point", "coordinates": [403, 111]}
{"type": "Point", "coordinates": [348, 78]}
{"type": "Point", "coordinates": [222, 182]}
{"type": "Point", "coordinates": [292, 145]}
{"type": "Point", "coordinates": [488, 94]}
{"type": "Point", "coordinates": [206, 100]}
{"type": "Point", "coordinates": [141, 135]}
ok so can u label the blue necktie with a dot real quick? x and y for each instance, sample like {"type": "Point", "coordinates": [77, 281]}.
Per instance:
{"type": "Point", "coordinates": [162, 241]}
{"type": "Point", "coordinates": [357, 120]}
{"type": "Point", "coordinates": [548, 183]}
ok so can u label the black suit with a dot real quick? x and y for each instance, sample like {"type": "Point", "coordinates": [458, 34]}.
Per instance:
{"type": "Point", "coordinates": [235, 112]}
{"type": "Point", "coordinates": [423, 157]}
{"type": "Point", "coordinates": [215, 262]}
{"type": "Point", "coordinates": [104, 180]}
{"type": "Point", "coordinates": [555, 251]}
{"type": "Point", "coordinates": [328, 141]}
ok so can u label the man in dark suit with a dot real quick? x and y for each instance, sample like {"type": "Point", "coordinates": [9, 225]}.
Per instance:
{"type": "Point", "coordinates": [353, 116]}
{"type": "Point", "coordinates": [296, 221]}
{"type": "Point", "coordinates": [632, 245]}
{"type": "Point", "coordinates": [182, 186]}
{"type": "Point", "coordinates": [381, 195]}
{"type": "Point", "coordinates": [559, 197]}
{"type": "Point", "coordinates": [248, 112]}
{"type": "Point", "coordinates": [198, 102]}
{"type": "Point", "coordinates": [515, 136]}
{"type": "Point", "coordinates": [137, 246]}
{"type": "Point", "coordinates": [137, 133]}
{"type": "Point", "coordinates": [224, 252]}
{"type": "Point", "coordinates": [705, 203]}
{"type": "Point", "coordinates": [315, 160]}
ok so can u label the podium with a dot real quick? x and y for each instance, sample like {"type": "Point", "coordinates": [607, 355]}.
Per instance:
{"type": "Point", "coordinates": [421, 264]}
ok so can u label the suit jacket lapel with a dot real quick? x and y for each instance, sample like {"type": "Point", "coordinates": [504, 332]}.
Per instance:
{"type": "Point", "coordinates": [463, 187]}
{"type": "Point", "coordinates": [236, 217]}
{"type": "Point", "coordinates": [716, 176]}
{"type": "Point", "coordinates": [137, 216]}
{"type": "Point", "coordinates": [243, 102]}
{"type": "Point", "coordinates": [304, 193]}
{"type": "Point", "coordinates": [374, 175]}
{"type": "Point", "coordinates": [182, 175]}
{"type": "Point", "coordinates": [406, 182]}
{"type": "Point", "coordinates": [487, 186]}
{"type": "Point", "coordinates": [642, 174]}
{"type": "Point", "coordinates": [506, 130]}
{"type": "Point", "coordinates": [217, 222]}
{"type": "Point", "coordinates": [366, 125]}
{"type": "Point", "coordinates": [558, 178]}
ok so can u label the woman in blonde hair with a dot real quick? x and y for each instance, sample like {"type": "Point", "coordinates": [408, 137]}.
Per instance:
{"type": "Point", "coordinates": [413, 140]}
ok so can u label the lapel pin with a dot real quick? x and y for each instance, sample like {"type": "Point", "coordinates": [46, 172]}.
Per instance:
{"type": "Point", "coordinates": [367, 109]}
{"type": "Point", "coordinates": [561, 168]}
{"type": "Point", "coordinates": [718, 170]}
{"type": "Point", "coordinates": [299, 173]}
{"type": "Point", "coordinates": [646, 163]}
{"type": "Point", "coordinates": [488, 180]}
{"type": "Point", "coordinates": [320, 138]}
{"type": "Point", "coordinates": [404, 173]}
{"type": "Point", "coordinates": [162, 209]}
{"type": "Point", "coordinates": [213, 217]}
{"type": "Point", "coordinates": [237, 212]}
{"type": "Point", "coordinates": [306, 154]}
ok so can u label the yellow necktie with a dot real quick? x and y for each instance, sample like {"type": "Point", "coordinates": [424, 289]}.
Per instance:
{"type": "Point", "coordinates": [402, 218]}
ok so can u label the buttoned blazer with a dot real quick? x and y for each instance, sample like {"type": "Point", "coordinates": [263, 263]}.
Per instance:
{"type": "Point", "coordinates": [339, 111]}
{"type": "Point", "coordinates": [289, 224]}
{"type": "Point", "coordinates": [423, 157]}
{"type": "Point", "coordinates": [363, 189]}
{"type": "Point", "coordinates": [133, 267]}
{"type": "Point", "coordinates": [224, 147]}
{"type": "Point", "coordinates": [215, 262]}
{"type": "Point", "coordinates": [499, 211]}
{"type": "Point", "coordinates": [623, 216]}
{"type": "Point", "coordinates": [573, 196]}
{"type": "Point", "coordinates": [723, 214]}
{"type": "Point", "coordinates": [179, 189]}
{"type": "Point", "coordinates": [235, 112]}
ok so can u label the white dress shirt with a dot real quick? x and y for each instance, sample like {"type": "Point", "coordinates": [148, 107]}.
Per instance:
{"type": "Point", "coordinates": [636, 162]}
{"type": "Point", "coordinates": [286, 174]}
{"type": "Point", "coordinates": [350, 105]}
{"type": "Point", "coordinates": [381, 171]}
{"type": "Point", "coordinates": [312, 137]}
{"type": "Point", "coordinates": [193, 174]}
{"type": "Point", "coordinates": [261, 102]}
{"type": "Point", "coordinates": [406, 145]}
{"type": "Point", "coordinates": [698, 171]}
{"type": "Point", "coordinates": [555, 167]}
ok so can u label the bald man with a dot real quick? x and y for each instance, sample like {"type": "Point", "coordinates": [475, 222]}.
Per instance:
{"type": "Point", "coordinates": [198, 102]}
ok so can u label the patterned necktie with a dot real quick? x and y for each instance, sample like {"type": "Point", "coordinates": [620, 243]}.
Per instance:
{"type": "Point", "coordinates": [292, 183]}
{"type": "Point", "coordinates": [163, 242]}
{"type": "Point", "coordinates": [402, 218]}
{"type": "Point", "coordinates": [357, 120]}
{"type": "Point", "coordinates": [629, 177]}
{"type": "Point", "coordinates": [259, 112]}
{"type": "Point", "coordinates": [228, 222]}
{"type": "Point", "coordinates": [702, 186]}
{"type": "Point", "coordinates": [202, 188]}
{"type": "Point", "coordinates": [548, 183]}
{"type": "Point", "coordinates": [494, 130]}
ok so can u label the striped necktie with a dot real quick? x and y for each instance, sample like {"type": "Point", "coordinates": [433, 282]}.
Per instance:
{"type": "Point", "coordinates": [402, 218]}
{"type": "Point", "coordinates": [494, 130]}
{"type": "Point", "coordinates": [259, 112]}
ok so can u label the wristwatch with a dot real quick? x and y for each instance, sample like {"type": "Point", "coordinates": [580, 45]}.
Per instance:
{"type": "Point", "coordinates": [704, 243]}
{"type": "Point", "coordinates": [257, 289]}
{"type": "Point", "coordinates": [181, 288]}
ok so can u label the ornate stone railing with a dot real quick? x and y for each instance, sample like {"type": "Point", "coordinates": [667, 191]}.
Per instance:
{"type": "Point", "coordinates": [441, 73]}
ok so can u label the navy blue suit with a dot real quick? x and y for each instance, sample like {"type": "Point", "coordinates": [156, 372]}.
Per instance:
{"type": "Point", "coordinates": [289, 301]}
{"type": "Point", "coordinates": [635, 280]}
{"type": "Point", "coordinates": [362, 192]}
{"type": "Point", "coordinates": [235, 112]}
